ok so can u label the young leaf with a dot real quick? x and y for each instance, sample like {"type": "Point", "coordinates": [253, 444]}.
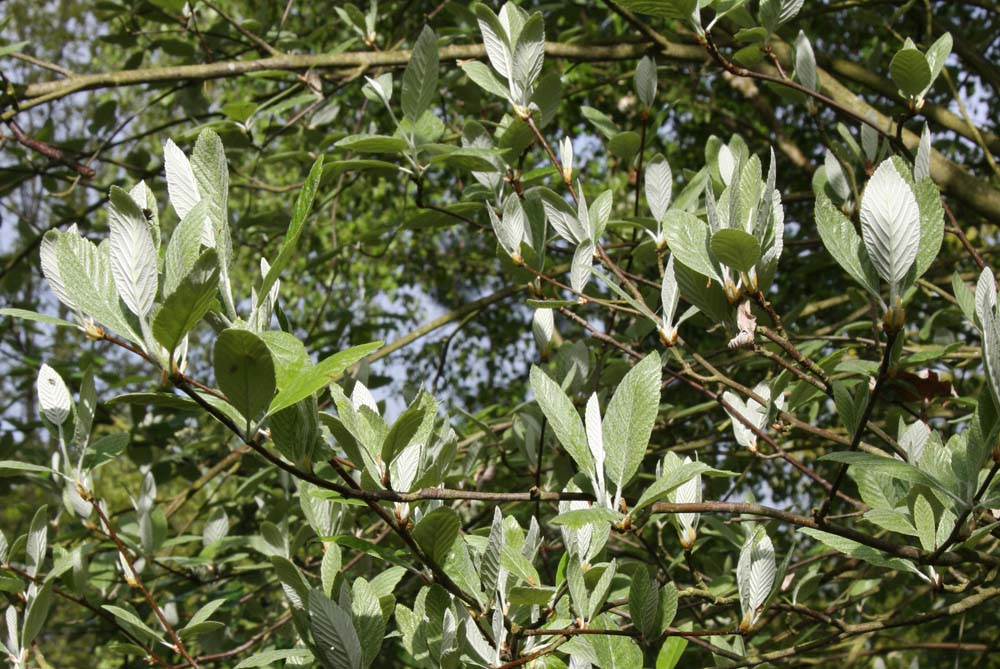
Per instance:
{"type": "Point", "coordinates": [133, 256]}
{"type": "Point", "coordinates": [645, 81]}
{"type": "Point", "coordinates": [38, 539]}
{"type": "Point", "coordinates": [922, 163]}
{"type": "Point", "coordinates": [658, 186]}
{"type": "Point", "coordinates": [805, 62]}
{"type": "Point", "coordinates": [182, 187]}
{"type": "Point", "coordinates": [890, 224]}
{"type": "Point", "coordinates": [755, 575]}
{"type": "Point", "coordinates": [53, 396]}
{"type": "Point", "coordinates": [208, 163]}
{"type": "Point", "coordinates": [421, 76]}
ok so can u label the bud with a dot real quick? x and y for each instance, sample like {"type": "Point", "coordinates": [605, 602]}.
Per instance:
{"type": "Point", "coordinates": [566, 159]}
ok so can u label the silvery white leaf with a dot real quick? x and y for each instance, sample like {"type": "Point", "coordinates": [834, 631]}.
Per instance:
{"type": "Point", "coordinates": [583, 265]}
{"type": "Point", "coordinates": [50, 268]}
{"type": "Point", "coordinates": [659, 186]}
{"type": "Point", "coordinates": [986, 310]}
{"type": "Point", "coordinates": [595, 438]}
{"type": "Point", "coordinates": [599, 214]}
{"type": "Point", "coordinates": [543, 327]}
{"type": "Point", "coordinates": [753, 412]}
{"type": "Point", "coordinates": [922, 164]}
{"type": "Point", "coordinates": [133, 256]}
{"type": "Point", "coordinates": [727, 164]}
{"type": "Point", "coordinates": [216, 528]}
{"type": "Point", "coordinates": [669, 293]}
{"type": "Point", "coordinates": [405, 466]}
{"type": "Point", "coordinates": [529, 54]}
{"type": "Point", "coordinates": [890, 224]}
{"type": "Point", "coordinates": [11, 643]}
{"type": "Point", "coordinates": [755, 574]}
{"type": "Point", "coordinates": [182, 187]}
{"type": "Point", "coordinates": [805, 62]}
{"type": "Point", "coordinates": [914, 439]}
{"type": "Point", "coordinates": [53, 396]}
{"type": "Point", "coordinates": [495, 40]}
{"type": "Point", "coordinates": [645, 81]}
{"type": "Point", "coordinates": [562, 218]}
{"type": "Point", "coordinates": [362, 397]}
{"type": "Point", "coordinates": [510, 229]}
{"type": "Point", "coordinates": [689, 492]}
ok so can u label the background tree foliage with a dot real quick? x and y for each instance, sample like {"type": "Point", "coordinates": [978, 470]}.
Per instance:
{"type": "Point", "coordinates": [544, 463]}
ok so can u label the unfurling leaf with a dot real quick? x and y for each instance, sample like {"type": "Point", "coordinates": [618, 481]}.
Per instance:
{"type": "Point", "coordinates": [890, 226]}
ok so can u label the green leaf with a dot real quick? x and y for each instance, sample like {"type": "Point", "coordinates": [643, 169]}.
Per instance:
{"type": "Point", "coordinates": [244, 371]}
{"type": "Point", "coordinates": [689, 240]}
{"type": "Point", "coordinates": [328, 370]}
{"type": "Point", "coordinates": [38, 538]}
{"type": "Point", "coordinates": [26, 315]}
{"type": "Point", "coordinates": [670, 653]}
{"type": "Point", "coordinates": [671, 480]}
{"type": "Point", "coordinates": [421, 76]}
{"type": "Point", "coordinates": [372, 144]}
{"type": "Point", "coordinates": [923, 517]}
{"type": "Point", "coordinates": [844, 244]}
{"type": "Point", "coordinates": [667, 9]}
{"type": "Point", "coordinates": [184, 247]}
{"type": "Point", "coordinates": [13, 468]}
{"type": "Point", "coordinates": [303, 205]}
{"type": "Point", "coordinates": [580, 518]}
{"type": "Point", "coordinates": [132, 621]}
{"type": "Point", "coordinates": [184, 308]}
{"type": "Point", "coordinates": [563, 418]}
{"type": "Point", "coordinates": [333, 630]}
{"type": "Point", "coordinates": [614, 651]}
{"type": "Point", "coordinates": [204, 613]}
{"type": "Point", "coordinates": [860, 551]}
{"type": "Point", "coordinates": [668, 604]}
{"type": "Point", "coordinates": [629, 419]}
{"type": "Point", "coordinates": [483, 77]}
{"type": "Point", "coordinates": [625, 145]}
{"type": "Point", "coordinates": [644, 603]}
{"type": "Point", "coordinates": [910, 71]}
{"type": "Point", "coordinates": [897, 469]}
{"type": "Point", "coordinates": [269, 657]}
{"type": "Point", "coordinates": [735, 248]}
{"type": "Point", "coordinates": [105, 449]}
{"type": "Point", "coordinates": [34, 617]}
{"type": "Point", "coordinates": [368, 621]}
{"type": "Point", "coordinates": [436, 532]}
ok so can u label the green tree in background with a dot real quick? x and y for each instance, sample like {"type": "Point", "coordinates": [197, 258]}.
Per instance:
{"type": "Point", "coordinates": [645, 333]}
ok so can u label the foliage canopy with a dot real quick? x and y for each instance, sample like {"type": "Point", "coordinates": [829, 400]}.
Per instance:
{"type": "Point", "coordinates": [641, 333]}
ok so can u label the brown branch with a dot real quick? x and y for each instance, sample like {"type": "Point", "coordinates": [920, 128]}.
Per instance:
{"type": "Point", "coordinates": [49, 151]}
{"type": "Point", "coordinates": [136, 582]}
